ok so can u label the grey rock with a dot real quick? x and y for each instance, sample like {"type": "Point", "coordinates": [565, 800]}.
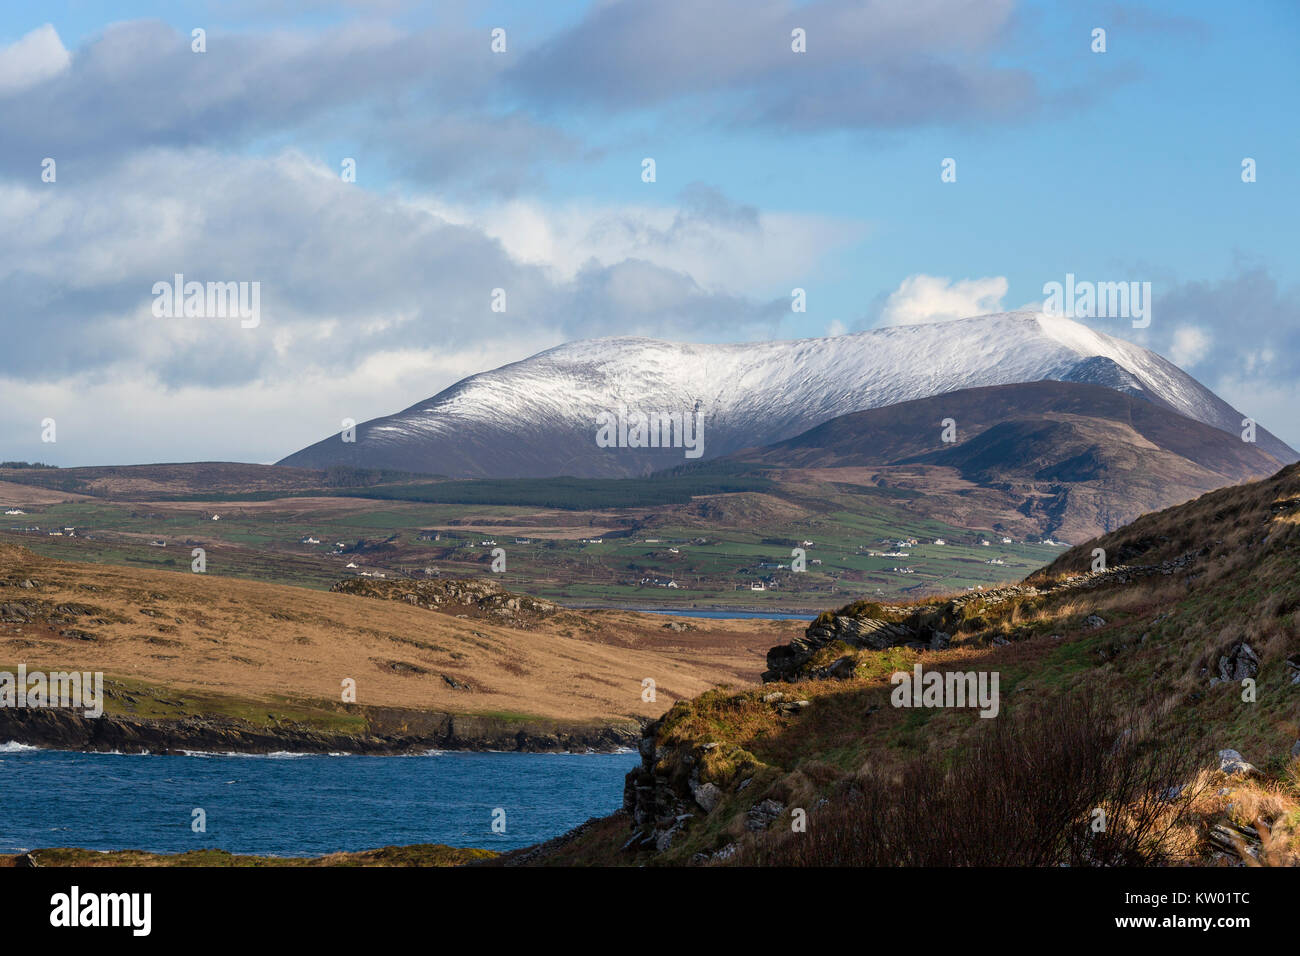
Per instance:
{"type": "Point", "coordinates": [842, 669]}
{"type": "Point", "coordinates": [707, 795]}
{"type": "Point", "coordinates": [727, 852]}
{"type": "Point", "coordinates": [1234, 764]}
{"type": "Point", "coordinates": [1238, 662]}
{"type": "Point", "coordinates": [761, 816]}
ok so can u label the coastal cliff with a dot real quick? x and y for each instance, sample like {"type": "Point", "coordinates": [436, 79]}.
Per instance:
{"type": "Point", "coordinates": [385, 731]}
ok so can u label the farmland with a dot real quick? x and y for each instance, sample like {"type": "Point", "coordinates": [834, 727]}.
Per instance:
{"type": "Point", "coordinates": [714, 549]}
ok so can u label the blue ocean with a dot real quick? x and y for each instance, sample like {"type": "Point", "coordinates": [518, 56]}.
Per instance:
{"type": "Point", "coordinates": [298, 805]}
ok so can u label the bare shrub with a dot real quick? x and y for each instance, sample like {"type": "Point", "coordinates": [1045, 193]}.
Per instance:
{"type": "Point", "coordinates": [1028, 791]}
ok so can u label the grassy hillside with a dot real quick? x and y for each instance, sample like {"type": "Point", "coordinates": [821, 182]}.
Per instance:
{"type": "Point", "coordinates": [1119, 691]}
{"type": "Point", "coordinates": [714, 547]}
{"type": "Point", "coordinates": [177, 644]}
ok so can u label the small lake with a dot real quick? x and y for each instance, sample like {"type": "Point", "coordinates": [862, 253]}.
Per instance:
{"type": "Point", "coordinates": [298, 804]}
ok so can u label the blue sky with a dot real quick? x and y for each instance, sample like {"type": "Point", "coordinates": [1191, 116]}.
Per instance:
{"type": "Point", "coordinates": [522, 170]}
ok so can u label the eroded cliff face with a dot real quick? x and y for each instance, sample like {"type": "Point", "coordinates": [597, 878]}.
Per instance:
{"type": "Point", "coordinates": [389, 731]}
{"type": "Point", "coordinates": [684, 784]}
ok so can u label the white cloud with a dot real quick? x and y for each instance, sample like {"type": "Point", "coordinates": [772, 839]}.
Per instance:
{"type": "Point", "coordinates": [1270, 403]}
{"type": "Point", "coordinates": [1189, 346]}
{"type": "Point", "coordinates": [34, 58]}
{"type": "Point", "coordinates": [748, 255]}
{"type": "Point", "coordinates": [921, 298]}
{"type": "Point", "coordinates": [136, 419]}
{"type": "Point", "coordinates": [368, 301]}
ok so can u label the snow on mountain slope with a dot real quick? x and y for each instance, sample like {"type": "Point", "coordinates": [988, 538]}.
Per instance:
{"type": "Point", "coordinates": [538, 417]}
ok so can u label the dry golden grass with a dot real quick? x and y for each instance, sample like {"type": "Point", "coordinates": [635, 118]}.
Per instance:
{"type": "Point", "coordinates": [15, 495]}
{"type": "Point", "coordinates": [228, 636]}
{"type": "Point", "coordinates": [1233, 807]}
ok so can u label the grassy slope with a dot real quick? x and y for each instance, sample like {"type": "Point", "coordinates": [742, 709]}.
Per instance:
{"type": "Point", "coordinates": [1154, 654]}
{"type": "Point", "coordinates": [191, 643]}
{"type": "Point", "coordinates": [420, 854]}
{"type": "Point", "coordinates": [261, 541]}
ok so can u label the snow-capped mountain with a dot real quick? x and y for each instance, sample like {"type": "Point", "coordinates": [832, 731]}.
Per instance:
{"type": "Point", "coordinates": [540, 417]}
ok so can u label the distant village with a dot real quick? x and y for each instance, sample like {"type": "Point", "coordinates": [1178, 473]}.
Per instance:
{"type": "Point", "coordinates": [762, 575]}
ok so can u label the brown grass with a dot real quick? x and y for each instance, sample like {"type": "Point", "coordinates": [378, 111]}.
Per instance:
{"type": "Point", "coordinates": [251, 639]}
{"type": "Point", "coordinates": [1025, 792]}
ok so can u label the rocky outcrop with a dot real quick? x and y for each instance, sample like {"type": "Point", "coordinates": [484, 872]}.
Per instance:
{"type": "Point", "coordinates": [875, 627]}
{"type": "Point", "coordinates": [389, 731]}
{"type": "Point", "coordinates": [649, 797]}
{"type": "Point", "coordinates": [1233, 764]}
{"type": "Point", "coordinates": [678, 784]}
{"type": "Point", "coordinates": [665, 793]}
{"type": "Point", "coordinates": [1236, 662]}
{"type": "Point", "coordinates": [472, 597]}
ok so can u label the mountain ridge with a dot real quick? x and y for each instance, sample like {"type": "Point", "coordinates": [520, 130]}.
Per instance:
{"type": "Point", "coordinates": [536, 417]}
{"type": "Point", "coordinates": [1081, 458]}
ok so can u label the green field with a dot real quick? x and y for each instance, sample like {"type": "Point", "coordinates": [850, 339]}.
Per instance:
{"type": "Point", "coordinates": [710, 566]}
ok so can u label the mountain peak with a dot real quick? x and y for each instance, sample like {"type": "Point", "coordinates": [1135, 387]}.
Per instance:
{"type": "Point", "coordinates": [537, 417]}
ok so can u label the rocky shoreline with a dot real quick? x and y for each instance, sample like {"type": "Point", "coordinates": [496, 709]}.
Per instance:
{"type": "Point", "coordinates": [389, 733]}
